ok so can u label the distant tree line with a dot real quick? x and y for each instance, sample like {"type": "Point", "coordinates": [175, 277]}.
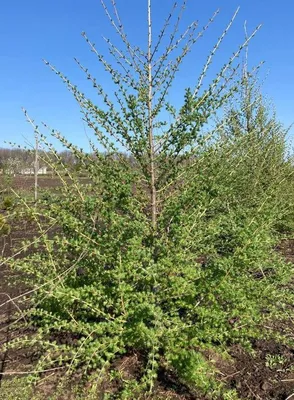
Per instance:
{"type": "Point", "coordinates": [13, 161]}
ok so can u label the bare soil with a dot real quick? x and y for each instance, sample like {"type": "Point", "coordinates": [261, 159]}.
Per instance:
{"type": "Point", "coordinates": [27, 183]}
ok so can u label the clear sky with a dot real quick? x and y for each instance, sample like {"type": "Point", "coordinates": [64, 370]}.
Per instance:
{"type": "Point", "coordinates": [35, 29]}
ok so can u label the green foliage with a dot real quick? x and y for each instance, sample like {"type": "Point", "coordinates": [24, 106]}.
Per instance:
{"type": "Point", "coordinates": [4, 226]}
{"type": "Point", "coordinates": [168, 252]}
{"type": "Point", "coordinates": [16, 389]}
{"type": "Point", "coordinates": [7, 203]}
{"type": "Point", "coordinates": [274, 360]}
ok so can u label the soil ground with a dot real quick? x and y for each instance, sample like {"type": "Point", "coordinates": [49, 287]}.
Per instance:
{"type": "Point", "coordinates": [26, 183]}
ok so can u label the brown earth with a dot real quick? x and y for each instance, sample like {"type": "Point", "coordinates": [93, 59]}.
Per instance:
{"type": "Point", "coordinates": [20, 182]}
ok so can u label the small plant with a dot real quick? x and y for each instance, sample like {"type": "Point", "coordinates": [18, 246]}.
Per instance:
{"type": "Point", "coordinates": [4, 226]}
{"type": "Point", "coordinates": [7, 203]}
{"type": "Point", "coordinates": [275, 360]}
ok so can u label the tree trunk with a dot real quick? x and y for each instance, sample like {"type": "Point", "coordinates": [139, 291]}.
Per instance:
{"type": "Point", "coordinates": [150, 124]}
{"type": "Point", "coordinates": [36, 167]}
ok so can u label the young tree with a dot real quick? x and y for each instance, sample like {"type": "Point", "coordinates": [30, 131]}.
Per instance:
{"type": "Point", "coordinates": [251, 130]}
{"type": "Point", "coordinates": [155, 256]}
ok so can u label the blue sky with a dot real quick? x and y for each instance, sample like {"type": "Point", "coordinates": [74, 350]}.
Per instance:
{"type": "Point", "coordinates": [35, 29]}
